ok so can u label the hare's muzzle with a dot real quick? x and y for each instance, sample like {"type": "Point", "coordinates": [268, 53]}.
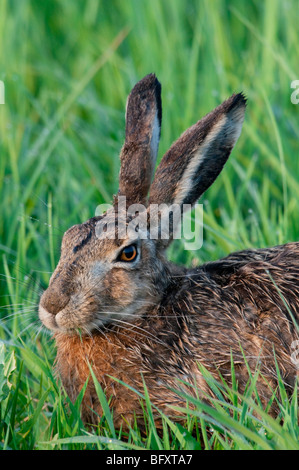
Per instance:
{"type": "Point", "coordinates": [54, 300]}
{"type": "Point", "coordinates": [51, 303]}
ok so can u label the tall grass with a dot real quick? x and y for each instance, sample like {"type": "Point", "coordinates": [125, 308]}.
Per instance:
{"type": "Point", "coordinates": [67, 69]}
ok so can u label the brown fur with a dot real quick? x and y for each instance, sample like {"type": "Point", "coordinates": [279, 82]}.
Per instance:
{"type": "Point", "coordinates": [151, 320]}
{"type": "Point", "coordinates": [144, 103]}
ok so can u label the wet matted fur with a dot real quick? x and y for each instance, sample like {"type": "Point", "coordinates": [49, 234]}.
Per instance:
{"type": "Point", "coordinates": [146, 318]}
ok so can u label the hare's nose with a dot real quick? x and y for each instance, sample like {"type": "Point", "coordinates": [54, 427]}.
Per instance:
{"type": "Point", "coordinates": [54, 300]}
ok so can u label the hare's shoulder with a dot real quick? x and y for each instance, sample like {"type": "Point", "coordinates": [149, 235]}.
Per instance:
{"type": "Point", "coordinates": [264, 281]}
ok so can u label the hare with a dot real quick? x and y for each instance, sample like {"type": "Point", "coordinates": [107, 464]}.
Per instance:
{"type": "Point", "coordinates": [118, 306]}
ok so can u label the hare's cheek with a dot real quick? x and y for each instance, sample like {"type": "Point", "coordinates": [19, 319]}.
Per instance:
{"type": "Point", "coordinates": [119, 288]}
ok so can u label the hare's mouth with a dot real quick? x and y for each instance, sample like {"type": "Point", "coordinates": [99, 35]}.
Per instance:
{"type": "Point", "coordinates": [70, 321]}
{"type": "Point", "coordinates": [48, 319]}
{"type": "Point", "coordinates": [63, 321]}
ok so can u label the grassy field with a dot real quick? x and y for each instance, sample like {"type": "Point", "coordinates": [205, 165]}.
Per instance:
{"type": "Point", "coordinates": [67, 68]}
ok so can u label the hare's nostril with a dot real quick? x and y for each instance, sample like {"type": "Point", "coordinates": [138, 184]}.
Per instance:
{"type": "Point", "coordinates": [54, 301]}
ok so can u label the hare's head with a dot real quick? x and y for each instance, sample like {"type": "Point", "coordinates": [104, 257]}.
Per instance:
{"type": "Point", "coordinates": [112, 267]}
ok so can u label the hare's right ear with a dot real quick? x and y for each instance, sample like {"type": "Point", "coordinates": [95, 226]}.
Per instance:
{"type": "Point", "coordinates": [195, 160]}
{"type": "Point", "coordinates": [139, 153]}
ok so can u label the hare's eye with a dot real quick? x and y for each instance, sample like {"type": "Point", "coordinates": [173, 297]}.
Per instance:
{"type": "Point", "coordinates": [129, 253]}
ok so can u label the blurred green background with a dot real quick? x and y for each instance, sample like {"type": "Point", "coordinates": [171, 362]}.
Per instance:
{"type": "Point", "coordinates": [68, 67]}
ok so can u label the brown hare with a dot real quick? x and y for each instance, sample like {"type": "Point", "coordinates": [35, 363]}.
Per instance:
{"type": "Point", "coordinates": [117, 305]}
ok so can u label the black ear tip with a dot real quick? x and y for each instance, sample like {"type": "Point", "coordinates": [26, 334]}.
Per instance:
{"type": "Point", "coordinates": [239, 100]}
{"type": "Point", "coordinates": [150, 85]}
{"type": "Point", "coordinates": [151, 78]}
{"type": "Point", "coordinates": [148, 82]}
{"type": "Point", "coordinates": [242, 98]}
{"type": "Point", "coordinates": [235, 106]}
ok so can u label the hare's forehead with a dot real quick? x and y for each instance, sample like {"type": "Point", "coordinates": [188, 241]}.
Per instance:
{"type": "Point", "coordinates": [121, 226]}
{"type": "Point", "coordinates": [105, 234]}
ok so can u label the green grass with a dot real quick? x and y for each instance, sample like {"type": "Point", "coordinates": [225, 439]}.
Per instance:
{"type": "Point", "coordinates": [67, 69]}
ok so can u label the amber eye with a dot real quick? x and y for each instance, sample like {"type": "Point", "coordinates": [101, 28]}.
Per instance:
{"type": "Point", "coordinates": [129, 253]}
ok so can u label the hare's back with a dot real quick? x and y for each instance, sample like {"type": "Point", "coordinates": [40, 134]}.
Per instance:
{"type": "Point", "coordinates": [265, 281]}
{"type": "Point", "coordinates": [250, 301]}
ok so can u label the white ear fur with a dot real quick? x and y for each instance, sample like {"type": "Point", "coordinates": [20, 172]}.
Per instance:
{"type": "Point", "coordinates": [198, 159]}
{"type": "Point", "coordinates": [226, 126]}
{"type": "Point", "coordinates": [154, 146]}
{"type": "Point", "coordinates": [195, 160]}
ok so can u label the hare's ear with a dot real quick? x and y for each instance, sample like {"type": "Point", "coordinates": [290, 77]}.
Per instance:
{"type": "Point", "coordinates": [139, 153]}
{"type": "Point", "coordinates": [195, 160]}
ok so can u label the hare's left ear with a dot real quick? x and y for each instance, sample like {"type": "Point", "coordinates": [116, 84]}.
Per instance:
{"type": "Point", "coordinates": [195, 160]}
{"type": "Point", "coordinates": [139, 153]}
